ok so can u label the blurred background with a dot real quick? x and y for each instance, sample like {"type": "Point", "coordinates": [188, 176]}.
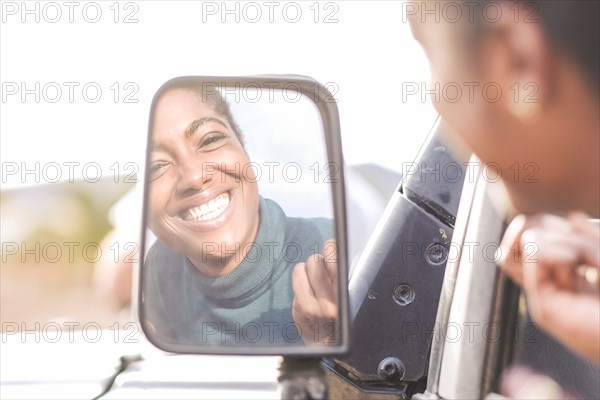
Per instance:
{"type": "Point", "coordinates": [75, 100]}
{"type": "Point", "coordinates": [51, 237]}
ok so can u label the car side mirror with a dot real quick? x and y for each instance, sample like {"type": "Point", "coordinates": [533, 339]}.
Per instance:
{"type": "Point", "coordinates": [244, 247]}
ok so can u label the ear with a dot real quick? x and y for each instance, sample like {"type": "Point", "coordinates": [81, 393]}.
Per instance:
{"type": "Point", "coordinates": [519, 60]}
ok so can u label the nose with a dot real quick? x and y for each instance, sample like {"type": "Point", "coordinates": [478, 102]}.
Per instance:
{"type": "Point", "coordinates": [192, 178]}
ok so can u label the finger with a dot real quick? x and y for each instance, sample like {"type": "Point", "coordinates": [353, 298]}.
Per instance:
{"type": "Point", "coordinates": [514, 250]}
{"type": "Point", "coordinates": [581, 221]}
{"type": "Point", "coordinates": [304, 297]}
{"type": "Point", "coordinates": [556, 255]}
{"type": "Point", "coordinates": [330, 250]}
{"type": "Point", "coordinates": [572, 318]}
{"type": "Point", "coordinates": [588, 274]}
{"type": "Point", "coordinates": [509, 252]}
{"type": "Point", "coordinates": [306, 310]}
{"type": "Point", "coordinates": [332, 272]}
{"type": "Point", "coordinates": [524, 383]}
{"type": "Point", "coordinates": [550, 222]}
{"type": "Point", "coordinates": [331, 259]}
{"type": "Point", "coordinates": [590, 234]}
{"type": "Point", "coordinates": [318, 277]}
{"type": "Point", "coordinates": [561, 257]}
{"type": "Point", "coordinates": [323, 288]}
{"type": "Point", "coordinates": [512, 234]}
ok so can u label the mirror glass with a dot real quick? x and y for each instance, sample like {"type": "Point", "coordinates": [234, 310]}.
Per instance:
{"type": "Point", "coordinates": [240, 245]}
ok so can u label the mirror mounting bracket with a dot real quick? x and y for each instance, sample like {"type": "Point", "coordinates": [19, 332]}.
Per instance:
{"type": "Point", "coordinates": [395, 288]}
{"type": "Point", "coordinates": [302, 378]}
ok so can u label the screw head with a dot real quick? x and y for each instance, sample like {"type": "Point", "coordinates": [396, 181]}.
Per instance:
{"type": "Point", "coordinates": [391, 369]}
{"type": "Point", "coordinates": [404, 294]}
{"type": "Point", "coordinates": [436, 254]}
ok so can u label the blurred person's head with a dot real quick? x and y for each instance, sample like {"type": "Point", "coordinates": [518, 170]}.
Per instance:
{"type": "Point", "coordinates": [203, 194]}
{"type": "Point", "coordinates": [529, 106]}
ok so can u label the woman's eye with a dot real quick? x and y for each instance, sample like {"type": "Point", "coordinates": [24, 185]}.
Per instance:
{"type": "Point", "coordinates": [211, 141]}
{"type": "Point", "coordinates": [157, 167]}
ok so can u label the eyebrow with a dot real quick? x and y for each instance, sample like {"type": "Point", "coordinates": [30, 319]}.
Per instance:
{"type": "Point", "coordinates": [189, 131]}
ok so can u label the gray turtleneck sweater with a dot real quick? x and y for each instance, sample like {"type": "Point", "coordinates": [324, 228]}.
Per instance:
{"type": "Point", "coordinates": [250, 306]}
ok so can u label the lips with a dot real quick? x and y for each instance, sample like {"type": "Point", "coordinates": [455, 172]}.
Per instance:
{"type": "Point", "coordinates": [209, 210]}
{"type": "Point", "coordinates": [204, 211]}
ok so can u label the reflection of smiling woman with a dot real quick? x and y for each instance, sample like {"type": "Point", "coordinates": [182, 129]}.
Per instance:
{"type": "Point", "coordinates": [198, 193]}
{"type": "Point", "coordinates": [221, 270]}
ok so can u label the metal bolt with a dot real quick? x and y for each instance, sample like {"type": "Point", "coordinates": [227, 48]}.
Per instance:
{"type": "Point", "coordinates": [403, 294]}
{"type": "Point", "coordinates": [436, 254]}
{"type": "Point", "coordinates": [391, 369]}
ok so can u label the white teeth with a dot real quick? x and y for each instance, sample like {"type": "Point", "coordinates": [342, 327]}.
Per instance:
{"type": "Point", "coordinates": [208, 211]}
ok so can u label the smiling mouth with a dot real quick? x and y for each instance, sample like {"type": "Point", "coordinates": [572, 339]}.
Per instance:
{"type": "Point", "coordinates": [207, 211]}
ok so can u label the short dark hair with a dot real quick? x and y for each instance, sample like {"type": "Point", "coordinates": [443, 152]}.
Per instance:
{"type": "Point", "coordinates": [212, 97]}
{"type": "Point", "coordinates": [572, 27]}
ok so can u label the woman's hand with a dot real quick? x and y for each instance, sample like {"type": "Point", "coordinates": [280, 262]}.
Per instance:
{"type": "Point", "coordinates": [315, 285]}
{"type": "Point", "coordinates": [523, 383]}
{"type": "Point", "coordinates": [556, 261]}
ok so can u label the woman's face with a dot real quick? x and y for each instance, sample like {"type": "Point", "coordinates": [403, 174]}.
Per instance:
{"type": "Point", "coordinates": [523, 108]}
{"type": "Point", "coordinates": [203, 193]}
